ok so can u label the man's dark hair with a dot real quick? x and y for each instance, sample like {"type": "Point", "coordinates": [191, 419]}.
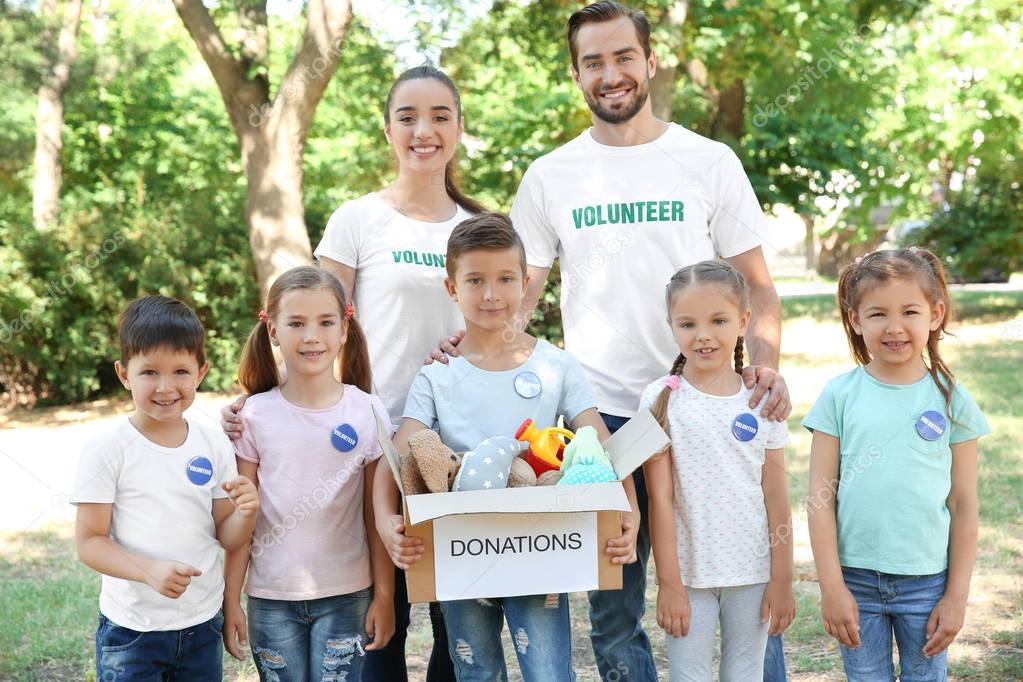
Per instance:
{"type": "Point", "coordinates": [490, 231]}
{"type": "Point", "coordinates": [154, 322]}
{"type": "Point", "coordinates": [600, 12]}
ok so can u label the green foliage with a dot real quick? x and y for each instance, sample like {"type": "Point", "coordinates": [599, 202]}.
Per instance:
{"type": "Point", "coordinates": [978, 237]}
{"type": "Point", "coordinates": [153, 198]}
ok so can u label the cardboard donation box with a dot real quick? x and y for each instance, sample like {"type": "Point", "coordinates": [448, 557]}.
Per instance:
{"type": "Point", "coordinates": [518, 541]}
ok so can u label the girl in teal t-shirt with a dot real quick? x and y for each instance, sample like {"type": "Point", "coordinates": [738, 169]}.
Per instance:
{"type": "Point", "coordinates": [893, 474]}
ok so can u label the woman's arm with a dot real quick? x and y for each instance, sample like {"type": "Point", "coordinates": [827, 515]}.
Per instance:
{"type": "Point", "coordinates": [947, 617]}
{"type": "Point", "coordinates": [344, 273]}
{"type": "Point", "coordinates": [838, 607]}
{"type": "Point", "coordinates": [622, 548]}
{"type": "Point", "coordinates": [673, 608]}
{"type": "Point", "coordinates": [779, 600]}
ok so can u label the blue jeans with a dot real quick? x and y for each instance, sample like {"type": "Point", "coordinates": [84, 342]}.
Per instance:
{"type": "Point", "coordinates": [388, 664]}
{"type": "Point", "coordinates": [192, 653]}
{"type": "Point", "coordinates": [294, 641]}
{"type": "Point", "coordinates": [540, 630]}
{"type": "Point", "coordinates": [774, 660]}
{"type": "Point", "coordinates": [620, 644]}
{"type": "Point", "coordinates": [900, 605]}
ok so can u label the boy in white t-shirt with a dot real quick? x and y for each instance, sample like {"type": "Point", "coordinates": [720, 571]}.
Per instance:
{"type": "Point", "coordinates": [157, 497]}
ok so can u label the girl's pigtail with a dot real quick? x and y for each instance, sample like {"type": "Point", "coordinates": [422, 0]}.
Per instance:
{"type": "Point", "coordinates": [257, 371]}
{"type": "Point", "coordinates": [739, 348]}
{"type": "Point", "coordinates": [355, 368]}
{"type": "Point", "coordinates": [940, 372]}
{"type": "Point", "coordinates": [846, 304]}
{"type": "Point", "coordinates": [660, 407]}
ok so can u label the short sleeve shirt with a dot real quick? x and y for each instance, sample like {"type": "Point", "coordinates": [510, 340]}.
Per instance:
{"type": "Point", "coordinates": [622, 221]}
{"type": "Point", "coordinates": [400, 298]}
{"type": "Point", "coordinates": [162, 509]}
{"type": "Point", "coordinates": [310, 538]}
{"type": "Point", "coordinates": [718, 449]}
{"type": "Point", "coordinates": [468, 404]}
{"type": "Point", "coordinates": [895, 468]}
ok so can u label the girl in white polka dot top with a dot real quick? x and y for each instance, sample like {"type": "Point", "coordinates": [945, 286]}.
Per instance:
{"type": "Point", "coordinates": [719, 506]}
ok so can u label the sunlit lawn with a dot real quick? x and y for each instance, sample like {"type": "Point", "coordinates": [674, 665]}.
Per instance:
{"type": "Point", "coordinates": [49, 599]}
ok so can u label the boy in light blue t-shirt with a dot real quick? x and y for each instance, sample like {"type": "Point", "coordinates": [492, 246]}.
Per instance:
{"type": "Point", "coordinates": [501, 377]}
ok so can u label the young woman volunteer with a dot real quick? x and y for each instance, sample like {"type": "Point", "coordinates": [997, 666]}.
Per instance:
{"type": "Point", "coordinates": [387, 249]}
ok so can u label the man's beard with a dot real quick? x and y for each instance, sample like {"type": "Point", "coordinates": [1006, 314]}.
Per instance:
{"type": "Point", "coordinates": [641, 92]}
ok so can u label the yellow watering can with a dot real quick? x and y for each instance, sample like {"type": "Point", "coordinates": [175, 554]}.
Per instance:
{"type": "Point", "coordinates": [545, 445]}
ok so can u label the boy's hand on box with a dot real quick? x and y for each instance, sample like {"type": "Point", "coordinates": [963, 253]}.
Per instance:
{"type": "Point", "coordinates": [170, 578]}
{"type": "Point", "coordinates": [778, 604]}
{"type": "Point", "coordinates": [244, 495]}
{"type": "Point", "coordinates": [623, 548]}
{"type": "Point", "coordinates": [404, 551]}
{"type": "Point", "coordinates": [379, 623]}
{"type": "Point", "coordinates": [673, 610]}
{"type": "Point", "coordinates": [236, 631]}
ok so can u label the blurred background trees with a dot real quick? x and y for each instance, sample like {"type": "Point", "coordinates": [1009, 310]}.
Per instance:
{"type": "Point", "coordinates": [869, 120]}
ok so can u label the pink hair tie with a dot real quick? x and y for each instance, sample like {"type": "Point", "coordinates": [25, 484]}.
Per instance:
{"type": "Point", "coordinates": [673, 382]}
{"type": "Point", "coordinates": [263, 317]}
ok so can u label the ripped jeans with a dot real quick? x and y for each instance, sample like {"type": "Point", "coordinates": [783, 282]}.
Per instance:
{"type": "Point", "coordinates": [540, 632]}
{"type": "Point", "coordinates": [318, 639]}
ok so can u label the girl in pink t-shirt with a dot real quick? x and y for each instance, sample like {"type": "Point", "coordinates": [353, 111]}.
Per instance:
{"type": "Point", "coordinates": [320, 584]}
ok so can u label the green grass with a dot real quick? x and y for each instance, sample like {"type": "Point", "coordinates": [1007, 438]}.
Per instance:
{"type": "Point", "coordinates": [50, 600]}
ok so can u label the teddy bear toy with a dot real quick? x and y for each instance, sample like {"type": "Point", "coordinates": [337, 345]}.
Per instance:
{"type": "Point", "coordinates": [430, 466]}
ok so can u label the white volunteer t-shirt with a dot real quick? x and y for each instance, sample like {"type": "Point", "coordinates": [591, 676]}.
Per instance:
{"type": "Point", "coordinates": [622, 221]}
{"type": "Point", "coordinates": [163, 509]}
{"type": "Point", "coordinates": [720, 516]}
{"type": "Point", "coordinates": [400, 300]}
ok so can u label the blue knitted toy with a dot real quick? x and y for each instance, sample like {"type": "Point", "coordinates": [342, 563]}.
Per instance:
{"type": "Point", "coordinates": [585, 460]}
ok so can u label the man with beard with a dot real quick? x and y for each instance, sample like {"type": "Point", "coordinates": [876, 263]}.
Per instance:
{"type": "Point", "coordinates": [624, 206]}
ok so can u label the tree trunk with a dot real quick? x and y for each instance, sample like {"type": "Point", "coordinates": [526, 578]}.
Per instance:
{"type": "Point", "coordinates": [662, 91]}
{"type": "Point", "coordinates": [838, 248]}
{"type": "Point", "coordinates": [809, 241]}
{"type": "Point", "coordinates": [662, 85]}
{"type": "Point", "coordinates": [57, 61]}
{"type": "Point", "coordinates": [731, 106]}
{"type": "Point", "coordinates": [274, 210]}
{"type": "Point", "coordinates": [272, 131]}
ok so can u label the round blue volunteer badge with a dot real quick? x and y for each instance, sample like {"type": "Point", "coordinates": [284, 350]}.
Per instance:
{"type": "Point", "coordinates": [199, 470]}
{"type": "Point", "coordinates": [344, 437]}
{"type": "Point", "coordinates": [745, 427]}
{"type": "Point", "coordinates": [931, 425]}
{"type": "Point", "coordinates": [528, 385]}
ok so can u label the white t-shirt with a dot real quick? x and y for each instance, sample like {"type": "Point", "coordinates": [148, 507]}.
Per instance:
{"type": "Point", "coordinates": [163, 509]}
{"type": "Point", "coordinates": [720, 515]}
{"type": "Point", "coordinates": [622, 221]}
{"type": "Point", "coordinates": [400, 300]}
